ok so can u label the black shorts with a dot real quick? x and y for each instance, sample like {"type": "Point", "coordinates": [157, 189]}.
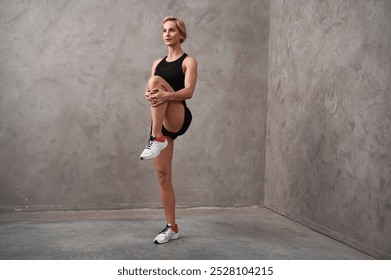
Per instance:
{"type": "Point", "coordinates": [185, 126]}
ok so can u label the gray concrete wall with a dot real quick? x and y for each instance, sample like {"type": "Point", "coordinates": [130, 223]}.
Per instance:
{"type": "Point", "coordinates": [328, 159]}
{"type": "Point", "coordinates": [73, 120]}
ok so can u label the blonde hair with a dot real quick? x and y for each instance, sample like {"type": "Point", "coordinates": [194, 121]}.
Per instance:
{"type": "Point", "coordinates": [180, 24]}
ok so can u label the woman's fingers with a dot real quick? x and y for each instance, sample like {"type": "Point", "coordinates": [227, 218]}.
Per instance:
{"type": "Point", "coordinates": [151, 95]}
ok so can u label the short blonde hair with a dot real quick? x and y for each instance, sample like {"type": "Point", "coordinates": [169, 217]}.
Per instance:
{"type": "Point", "coordinates": [180, 24]}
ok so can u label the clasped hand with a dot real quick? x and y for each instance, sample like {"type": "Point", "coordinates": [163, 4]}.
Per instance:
{"type": "Point", "coordinates": [155, 96]}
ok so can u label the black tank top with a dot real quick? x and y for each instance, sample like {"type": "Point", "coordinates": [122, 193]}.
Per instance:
{"type": "Point", "coordinates": [172, 72]}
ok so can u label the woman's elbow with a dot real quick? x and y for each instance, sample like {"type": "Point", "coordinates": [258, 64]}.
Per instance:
{"type": "Point", "coordinates": [190, 92]}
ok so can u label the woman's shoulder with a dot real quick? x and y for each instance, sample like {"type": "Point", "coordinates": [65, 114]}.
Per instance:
{"type": "Point", "coordinates": [155, 64]}
{"type": "Point", "coordinates": [190, 60]}
{"type": "Point", "coordinates": [157, 61]}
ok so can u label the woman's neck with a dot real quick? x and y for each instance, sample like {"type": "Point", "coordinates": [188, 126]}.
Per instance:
{"type": "Point", "coordinates": [174, 53]}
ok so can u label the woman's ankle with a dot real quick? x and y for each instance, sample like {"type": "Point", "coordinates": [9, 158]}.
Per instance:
{"type": "Point", "coordinates": [157, 135]}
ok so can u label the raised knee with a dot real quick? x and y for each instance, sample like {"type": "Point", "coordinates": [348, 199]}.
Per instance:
{"type": "Point", "coordinates": [155, 81]}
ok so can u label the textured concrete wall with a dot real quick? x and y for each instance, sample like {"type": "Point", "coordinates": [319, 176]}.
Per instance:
{"type": "Point", "coordinates": [328, 159]}
{"type": "Point", "coordinates": [73, 120]}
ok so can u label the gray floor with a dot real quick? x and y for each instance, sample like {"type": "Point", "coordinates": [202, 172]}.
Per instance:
{"type": "Point", "coordinates": [250, 233]}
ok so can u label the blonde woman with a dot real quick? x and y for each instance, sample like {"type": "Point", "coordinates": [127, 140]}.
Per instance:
{"type": "Point", "coordinates": [173, 81]}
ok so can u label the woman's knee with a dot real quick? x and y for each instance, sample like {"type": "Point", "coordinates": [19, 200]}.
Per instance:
{"type": "Point", "coordinates": [164, 178]}
{"type": "Point", "coordinates": [159, 82]}
{"type": "Point", "coordinates": [155, 81]}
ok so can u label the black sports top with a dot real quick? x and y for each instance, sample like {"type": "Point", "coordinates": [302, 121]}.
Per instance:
{"type": "Point", "coordinates": [172, 72]}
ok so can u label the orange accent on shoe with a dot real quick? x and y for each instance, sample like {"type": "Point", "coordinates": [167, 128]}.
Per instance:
{"type": "Point", "coordinates": [175, 228]}
{"type": "Point", "coordinates": [160, 139]}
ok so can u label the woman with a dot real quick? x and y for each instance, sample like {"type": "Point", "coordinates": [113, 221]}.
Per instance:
{"type": "Point", "coordinates": [173, 81]}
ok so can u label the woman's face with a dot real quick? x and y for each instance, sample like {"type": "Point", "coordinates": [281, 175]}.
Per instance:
{"type": "Point", "coordinates": [170, 32]}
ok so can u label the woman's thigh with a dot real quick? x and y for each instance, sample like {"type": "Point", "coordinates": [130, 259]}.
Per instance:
{"type": "Point", "coordinates": [175, 116]}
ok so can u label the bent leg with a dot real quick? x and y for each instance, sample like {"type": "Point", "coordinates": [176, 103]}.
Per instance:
{"type": "Point", "coordinates": [175, 116]}
{"type": "Point", "coordinates": [171, 113]}
{"type": "Point", "coordinates": [163, 168]}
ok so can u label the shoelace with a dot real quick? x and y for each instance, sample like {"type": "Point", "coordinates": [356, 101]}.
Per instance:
{"type": "Point", "coordinates": [150, 142]}
{"type": "Point", "coordinates": [165, 229]}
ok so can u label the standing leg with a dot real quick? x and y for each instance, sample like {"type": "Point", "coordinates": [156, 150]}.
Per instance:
{"type": "Point", "coordinates": [163, 168]}
{"type": "Point", "coordinates": [172, 115]}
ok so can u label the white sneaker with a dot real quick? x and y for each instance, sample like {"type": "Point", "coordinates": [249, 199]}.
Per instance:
{"type": "Point", "coordinates": [167, 234]}
{"type": "Point", "coordinates": [153, 148]}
